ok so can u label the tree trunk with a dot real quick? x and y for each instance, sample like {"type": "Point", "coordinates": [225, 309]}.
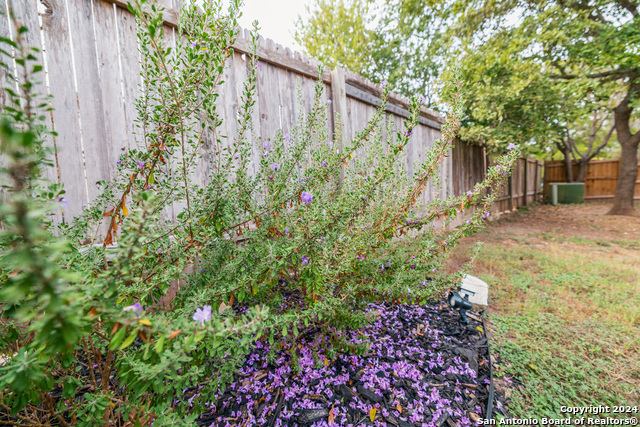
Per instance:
{"type": "Point", "coordinates": [582, 169]}
{"type": "Point", "coordinates": [623, 199]}
{"type": "Point", "coordinates": [568, 164]}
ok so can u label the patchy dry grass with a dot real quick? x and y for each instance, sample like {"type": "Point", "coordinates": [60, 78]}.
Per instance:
{"type": "Point", "coordinates": [564, 307]}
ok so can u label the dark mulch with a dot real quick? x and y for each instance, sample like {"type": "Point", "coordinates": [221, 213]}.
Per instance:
{"type": "Point", "coordinates": [423, 369]}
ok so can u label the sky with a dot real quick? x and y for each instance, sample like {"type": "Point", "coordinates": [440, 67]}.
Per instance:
{"type": "Point", "coordinates": [276, 18]}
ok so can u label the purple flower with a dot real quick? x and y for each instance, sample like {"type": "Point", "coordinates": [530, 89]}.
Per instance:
{"type": "Point", "coordinates": [413, 267]}
{"type": "Point", "coordinates": [388, 264]}
{"type": "Point", "coordinates": [258, 64]}
{"type": "Point", "coordinates": [383, 84]}
{"type": "Point", "coordinates": [119, 162]}
{"type": "Point", "coordinates": [305, 260]}
{"type": "Point", "coordinates": [434, 270]}
{"type": "Point", "coordinates": [469, 193]}
{"type": "Point", "coordinates": [382, 268]}
{"type": "Point", "coordinates": [330, 144]}
{"type": "Point", "coordinates": [306, 197]}
{"type": "Point", "coordinates": [328, 101]}
{"type": "Point", "coordinates": [140, 164]}
{"type": "Point", "coordinates": [468, 222]}
{"type": "Point", "coordinates": [409, 132]}
{"type": "Point", "coordinates": [511, 146]}
{"type": "Point", "coordinates": [266, 144]}
{"type": "Point", "coordinates": [136, 308]}
{"type": "Point", "coordinates": [286, 230]}
{"type": "Point", "coordinates": [194, 44]}
{"type": "Point", "coordinates": [62, 201]}
{"type": "Point", "coordinates": [202, 314]}
{"type": "Point", "coordinates": [274, 166]}
{"type": "Point", "coordinates": [324, 163]}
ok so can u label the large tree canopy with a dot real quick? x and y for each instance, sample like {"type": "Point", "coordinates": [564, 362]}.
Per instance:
{"type": "Point", "coordinates": [544, 74]}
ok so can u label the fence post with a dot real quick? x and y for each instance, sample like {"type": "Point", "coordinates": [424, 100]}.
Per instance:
{"type": "Point", "coordinates": [526, 177]}
{"type": "Point", "coordinates": [535, 183]}
{"type": "Point", "coordinates": [484, 162]}
{"type": "Point", "coordinates": [541, 176]}
{"type": "Point", "coordinates": [339, 106]}
{"type": "Point", "coordinates": [511, 191]}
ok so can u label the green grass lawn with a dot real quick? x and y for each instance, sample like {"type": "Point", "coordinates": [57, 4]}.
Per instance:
{"type": "Point", "coordinates": [564, 308]}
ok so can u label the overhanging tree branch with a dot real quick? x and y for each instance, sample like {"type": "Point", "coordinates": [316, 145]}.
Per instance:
{"type": "Point", "coordinates": [625, 72]}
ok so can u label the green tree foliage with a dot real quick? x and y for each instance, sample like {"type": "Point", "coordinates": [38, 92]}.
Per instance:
{"type": "Point", "coordinates": [510, 99]}
{"type": "Point", "coordinates": [392, 41]}
{"type": "Point", "coordinates": [586, 53]}
{"type": "Point", "coordinates": [338, 34]}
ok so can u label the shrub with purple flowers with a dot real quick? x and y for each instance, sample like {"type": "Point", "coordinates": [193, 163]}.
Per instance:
{"type": "Point", "coordinates": [296, 238]}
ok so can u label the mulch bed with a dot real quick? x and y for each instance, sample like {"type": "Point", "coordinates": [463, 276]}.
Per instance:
{"type": "Point", "coordinates": [423, 369]}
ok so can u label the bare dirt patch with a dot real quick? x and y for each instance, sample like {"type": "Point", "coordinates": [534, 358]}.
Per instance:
{"type": "Point", "coordinates": [571, 225]}
{"type": "Point", "coordinates": [588, 221]}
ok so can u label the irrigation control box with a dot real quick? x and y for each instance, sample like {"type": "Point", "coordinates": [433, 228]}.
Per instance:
{"type": "Point", "coordinates": [566, 192]}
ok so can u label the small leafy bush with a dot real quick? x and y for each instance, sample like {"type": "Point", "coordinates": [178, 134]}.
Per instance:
{"type": "Point", "coordinates": [290, 234]}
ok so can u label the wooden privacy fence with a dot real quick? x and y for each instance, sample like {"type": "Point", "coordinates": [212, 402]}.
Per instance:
{"type": "Point", "coordinates": [93, 72]}
{"type": "Point", "coordinates": [600, 179]}
{"type": "Point", "coordinates": [92, 67]}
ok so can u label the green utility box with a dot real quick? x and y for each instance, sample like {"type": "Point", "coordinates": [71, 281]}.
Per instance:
{"type": "Point", "coordinates": [566, 192]}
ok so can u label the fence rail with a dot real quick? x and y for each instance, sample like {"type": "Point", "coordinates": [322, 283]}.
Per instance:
{"type": "Point", "coordinates": [92, 65]}
{"type": "Point", "coordinates": [600, 179]}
